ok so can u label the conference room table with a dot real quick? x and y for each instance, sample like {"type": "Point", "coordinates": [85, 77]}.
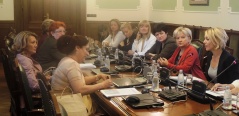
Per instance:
{"type": "Point", "coordinates": [115, 106]}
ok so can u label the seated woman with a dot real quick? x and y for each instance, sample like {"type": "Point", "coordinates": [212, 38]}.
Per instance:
{"type": "Point", "coordinates": [126, 45]}
{"type": "Point", "coordinates": [68, 72]}
{"type": "Point", "coordinates": [115, 35]}
{"type": "Point", "coordinates": [47, 54]}
{"type": "Point", "coordinates": [164, 46]}
{"type": "Point", "coordinates": [144, 39]}
{"type": "Point", "coordinates": [234, 86]}
{"type": "Point", "coordinates": [25, 43]}
{"type": "Point", "coordinates": [185, 56]}
{"type": "Point", "coordinates": [218, 59]}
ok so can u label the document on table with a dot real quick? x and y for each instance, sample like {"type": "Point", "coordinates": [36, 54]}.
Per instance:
{"type": "Point", "coordinates": [189, 81]}
{"type": "Point", "coordinates": [119, 92]}
{"type": "Point", "coordinates": [219, 94]}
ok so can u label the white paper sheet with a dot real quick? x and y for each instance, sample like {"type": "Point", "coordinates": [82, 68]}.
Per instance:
{"type": "Point", "coordinates": [119, 92]}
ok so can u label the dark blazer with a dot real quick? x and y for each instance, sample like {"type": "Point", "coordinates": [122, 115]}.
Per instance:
{"type": "Point", "coordinates": [128, 42]}
{"type": "Point", "coordinates": [225, 61]}
{"type": "Point", "coordinates": [48, 55]}
{"type": "Point", "coordinates": [167, 50]}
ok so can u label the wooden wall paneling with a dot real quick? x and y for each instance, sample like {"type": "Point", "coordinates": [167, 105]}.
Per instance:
{"type": "Point", "coordinates": [5, 28]}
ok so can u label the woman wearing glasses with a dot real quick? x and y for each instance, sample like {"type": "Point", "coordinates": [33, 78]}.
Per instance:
{"type": "Point", "coordinates": [48, 55]}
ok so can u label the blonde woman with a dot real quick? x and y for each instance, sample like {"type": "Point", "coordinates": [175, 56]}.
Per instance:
{"type": "Point", "coordinates": [218, 59]}
{"type": "Point", "coordinates": [115, 35]}
{"type": "Point", "coordinates": [185, 56]}
{"type": "Point", "coordinates": [144, 39]}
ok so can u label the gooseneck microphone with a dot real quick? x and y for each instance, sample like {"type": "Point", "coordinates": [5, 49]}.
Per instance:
{"type": "Point", "coordinates": [233, 62]}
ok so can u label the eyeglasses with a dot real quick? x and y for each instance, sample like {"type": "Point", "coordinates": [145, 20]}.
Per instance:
{"type": "Point", "coordinates": [61, 31]}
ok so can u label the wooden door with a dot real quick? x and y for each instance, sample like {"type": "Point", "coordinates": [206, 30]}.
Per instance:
{"type": "Point", "coordinates": [72, 12]}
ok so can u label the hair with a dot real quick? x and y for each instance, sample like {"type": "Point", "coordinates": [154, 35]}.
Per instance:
{"type": "Point", "coordinates": [218, 36]}
{"type": "Point", "coordinates": [145, 23]}
{"type": "Point", "coordinates": [55, 25]}
{"type": "Point", "coordinates": [183, 30]}
{"type": "Point", "coordinates": [20, 40]}
{"type": "Point", "coordinates": [66, 44]}
{"type": "Point", "coordinates": [126, 25]}
{"type": "Point", "coordinates": [45, 25]}
{"type": "Point", "coordinates": [118, 23]}
{"type": "Point", "coordinates": [160, 27]}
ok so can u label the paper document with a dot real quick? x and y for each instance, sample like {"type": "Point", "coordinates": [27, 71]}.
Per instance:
{"type": "Point", "coordinates": [218, 94]}
{"type": "Point", "coordinates": [119, 92]}
{"type": "Point", "coordinates": [87, 66]}
{"type": "Point", "coordinates": [189, 81]}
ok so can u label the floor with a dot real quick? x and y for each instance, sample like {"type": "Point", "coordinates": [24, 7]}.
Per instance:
{"type": "Point", "coordinates": [4, 94]}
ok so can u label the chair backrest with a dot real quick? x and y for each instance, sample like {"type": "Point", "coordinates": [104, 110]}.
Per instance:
{"type": "Point", "coordinates": [201, 50]}
{"type": "Point", "coordinates": [48, 106]}
{"type": "Point", "coordinates": [230, 50]}
{"type": "Point", "coordinates": [12, 81]}
{"type": "Point", "coordinates": [46, 83]}
{"type": "Point", "coordinates": [26, 90]}
{"type": "Point", "coordinates": [9, 72]}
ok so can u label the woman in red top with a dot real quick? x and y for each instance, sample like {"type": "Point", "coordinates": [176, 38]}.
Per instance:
{"type": "Point", "coordinates": [185, 57]}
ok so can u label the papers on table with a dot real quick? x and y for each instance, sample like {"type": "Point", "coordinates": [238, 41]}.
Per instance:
{"type": "Point", "coordinates": [219, 94]}
{"type": "Point", "coordinates": [188, 80]}
{"type": "Point", "coordinates": [87, 66]}
{"type": "Point", "coordinates": [119, 92]}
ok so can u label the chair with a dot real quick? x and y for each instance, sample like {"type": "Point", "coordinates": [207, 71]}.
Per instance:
{"type": "Point", "coordinates": [43, 78]}
{"type": "Point", "coordinates": [27, 94]}
{"type": "Point", "coordinates": [201, 50]}
{"type": "Point", "coordinates": [230, 50]}
{"type": "Point", "coordinates": [12, 83]}
{"type": "Point", "coordinates": [48, 106]}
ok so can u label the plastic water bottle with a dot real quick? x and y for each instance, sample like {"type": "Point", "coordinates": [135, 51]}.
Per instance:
{"type": "Point", "coordinates": [227, 98]}
{"type": "Point", "coordinates": [155, 82]}
{"type": "Point", "coordinates": [107, 62]}
{"type": "Point", "coordinates": [180, 79]}
{"type": "Point", "coordinates": [154, 67]}
{"type": "Point", "coordinates": [117, 54]}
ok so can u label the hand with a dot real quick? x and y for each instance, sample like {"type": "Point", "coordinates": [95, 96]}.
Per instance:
{"type": "Point", "coordinates": [138, 36]}
{"type": "Point", "coordinates": [103, 76]}
{"type": "Point", "coordinates": [235, 91]}
{"type": "Point", "coordinates": [105, 44]}
{"type": "Point", "coordinates": [122, 43]}
{"type": "Point", "coordinates": [130, 52]}
{"type": "Point", "coordinates": [163, 61]}
{"type": "Point", "coordinates": [107, 83]}
{"type": "Point", "coordinates": [48, 77]}
{"type": "Point", "coordinates": [218, 87]}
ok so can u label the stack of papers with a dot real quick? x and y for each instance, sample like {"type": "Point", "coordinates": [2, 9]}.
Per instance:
{"type": "Point", "coordinates": [189, 81]}
{"type": "Point", "coordinates": [87, 66]}
{"type": "Point", "coordinates": [119, 92]}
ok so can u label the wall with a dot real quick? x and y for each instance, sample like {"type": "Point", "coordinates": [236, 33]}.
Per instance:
{"type": "Point", "coordinates": [6, 5]}
{"type": "Point", "coordinates": [218, 13]}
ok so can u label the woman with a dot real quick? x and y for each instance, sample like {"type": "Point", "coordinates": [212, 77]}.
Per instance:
{"type": "Point", "coordinates": [26, 44]}
{"type": "Point", "coordinates": [115, 35]}
{"type": "Point", "coordinates": [185, 56]}
{"type": "Point", "coordinates": [126, 45]}
{"type": "Point", "coordinates": [68, 72]}
{"type": "Point", "coordinates": [218, 59]}
{"type": "Point", "coordinates": [144, 39]}
{"type": "Point", "coordinates": [164, 46]}
{"type": "Point", "coordinates": [48, 55]}
{"type": "Point", "coordinates": [45, 30]}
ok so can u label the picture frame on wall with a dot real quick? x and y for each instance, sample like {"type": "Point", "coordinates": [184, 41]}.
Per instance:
{"type": "Point", "coordinates": [198, 2]}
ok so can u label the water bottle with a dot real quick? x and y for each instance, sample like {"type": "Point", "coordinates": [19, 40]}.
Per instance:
{"type": "Point", "coordinates": [180, 79]}
{"type": "Point", "coordinates": [107, 62]}
{"type": "Point", "coordinates": [133, 62]}
{"type": "Point", "coordinates": [155, 82]}
{"type": "Point", "coordinates": [154, 66]}
{"type": "Point", "coordinates": [117, 54]}
{"type": "Point", "coordinates": [227, 98]}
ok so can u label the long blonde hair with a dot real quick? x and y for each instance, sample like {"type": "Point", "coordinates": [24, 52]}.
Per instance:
{"type": "Point", "coordinates": [145, 23]}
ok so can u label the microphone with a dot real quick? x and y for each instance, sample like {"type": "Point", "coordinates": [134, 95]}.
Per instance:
{"type": "Point", "coordinates": [233, 62]}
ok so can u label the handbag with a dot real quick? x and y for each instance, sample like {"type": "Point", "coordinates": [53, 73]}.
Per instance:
{"type": "Point", "coordinates": [71, 104]}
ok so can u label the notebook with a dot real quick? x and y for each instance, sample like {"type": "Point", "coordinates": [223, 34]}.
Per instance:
{"type": "Point", "coordinates": [123, 82]}
{"type": "Point", "coordinates": [146, 101]}
{"type": "Point", "coordinates": [128, 81]}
